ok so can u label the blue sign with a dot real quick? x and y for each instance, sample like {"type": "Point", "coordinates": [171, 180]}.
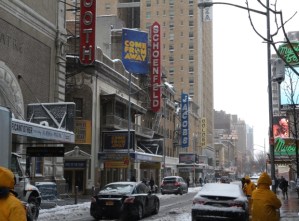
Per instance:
{"type": "Point", "coordinates": [134, 51]}
{"type": "Point", "coordinates": [185, 119]}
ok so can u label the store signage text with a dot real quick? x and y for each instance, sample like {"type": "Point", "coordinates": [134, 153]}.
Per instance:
{"type": "Point", "coordinates": [155, 67]}
{"type": "Point", "coordinates": [87, 31]}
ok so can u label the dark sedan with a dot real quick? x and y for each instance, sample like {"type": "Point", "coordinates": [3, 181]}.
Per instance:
{"type": "Point", "coordinates": [124, 200]}
{"type": "Point", "coordinates": [220, 201]}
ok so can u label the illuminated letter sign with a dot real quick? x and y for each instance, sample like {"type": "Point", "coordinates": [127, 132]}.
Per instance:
{"type": "Point", "coordinates": [87, 31]}
{"type": "Point", "coordinates": [155, 67]}
{"type": "Point", "coordinates": [286, 51]}
{"type": "Point", "coordinates": [185, 120]}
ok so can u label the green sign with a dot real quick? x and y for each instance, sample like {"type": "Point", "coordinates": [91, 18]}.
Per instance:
{"type": "Point", "coordinates": [284, 147]}
{"type": "Point", "coordinates": [288, 54]}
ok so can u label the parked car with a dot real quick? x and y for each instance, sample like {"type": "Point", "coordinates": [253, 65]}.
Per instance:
{"type": "Point", "coordinates": [173, 185]}
{"type": "Point", "coordinates": [48, 190]}
{"type": "Point", "coordinates": [220, 201]}
{"type": "Point", "coordinates": [225, 179]}
{"type": "Point", "coordinates": [124, 200]}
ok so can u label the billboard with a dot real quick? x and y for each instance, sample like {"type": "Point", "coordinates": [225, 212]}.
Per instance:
{"type": "Point", "coordinates": [187, 158]}
{"type": "Point", "coordinates": [155, 67]}
{"type": "Point", "coordinates": [285, 147]}
{"type": "Point", "coordinates": [134, 51]}
{"type": "Point", "coordinates": [118, 140]}
{"type": "Point", "coordinates": [185, 119]}
{"type": "Point", "coordinates": [289, 90]}
{"type": "Point", "coordinates": [280, 127]}
{"type": "Point", "coordinates": [87, 31]}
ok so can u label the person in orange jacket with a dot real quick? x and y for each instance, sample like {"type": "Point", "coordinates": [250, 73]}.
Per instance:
{"type": "Point", "coordinates": [11, 208]}
{"type": "Point", "coordinates": [248, 186]}
{"type": "Point", "coordinates": [264, 201]}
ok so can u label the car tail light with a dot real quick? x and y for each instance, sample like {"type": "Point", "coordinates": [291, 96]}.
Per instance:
{"type": "Point", "coordinates": [197, 201]}
{"type": "Point", "coordinates": [177, 184]}
{"type": "Point", "coordinates": [129, 200]}
{"type": "Point", "coordinates": [93, 200]}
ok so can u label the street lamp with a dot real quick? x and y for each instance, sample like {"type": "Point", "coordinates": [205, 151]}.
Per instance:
{"type": "Point", "coordinates": [267, 14]}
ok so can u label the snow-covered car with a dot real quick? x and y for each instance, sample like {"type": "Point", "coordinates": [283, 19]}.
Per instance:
{"type": "Point", "coordinates": [220, 201]}
{"type": "Point", "coordinates": [124, 200]}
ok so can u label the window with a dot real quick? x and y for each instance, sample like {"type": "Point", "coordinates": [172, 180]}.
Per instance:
{"type": "Point", "coordinates": [191, 57]}
{"type": "Point", "coordinates": [171, 2]}
{"type": "Point", "coordinates": [148, 3]}
{"type": "Point", "coordinates": [171, 47]}
{"type": "Point", "coordinates": [182, 45]}
{"type": "Point", "coordinates": [182, 22]}
{"type": "Point", "coordinates": [39, 165]}
{"type": "Point", "coordinates": [182, 57]}
{"type": "Point", "coordinates": [191, 45]}
{"type": "Point", "coordinates": [191, 34]}
{"type": "Point", "coordinates": [79, 107]}
{"type": "Point", "coordinates": [171, 36]}
{"type": "Point", "coordinates": [191, 69]}
{"type": "Point", "coordinates": [191, 23]}
{"type": "Point", "coordinates": [148, 15]}
{"type": "Point", "coordinates": [191, 80]}
{"type": "Point", "coordinates": [191, 12]}
{"type": "Point", "coordinates": [171, 24]}
{"type": "Point", "coordinates": [182, 34]}
{"type": "Point", "coordinates": [171, 58]}
{"type": "Point", "coordinates": [171, 70]}
{"type": "Point", "coordinates": [107, 6]}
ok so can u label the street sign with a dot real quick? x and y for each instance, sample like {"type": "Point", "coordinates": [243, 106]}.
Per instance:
{"type": "Point", "coordinates": [45, 151]}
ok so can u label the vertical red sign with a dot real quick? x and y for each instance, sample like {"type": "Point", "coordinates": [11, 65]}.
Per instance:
{"type": "Point", "coordinates": [155, 67]}
{"type": "Point", "coordinates": [87, 31]}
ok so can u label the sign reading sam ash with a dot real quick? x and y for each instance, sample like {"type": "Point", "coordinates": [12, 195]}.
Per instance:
{"type": "Point", "coordinates": [134, 51]}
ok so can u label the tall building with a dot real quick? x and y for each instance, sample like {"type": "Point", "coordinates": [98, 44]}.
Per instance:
{"type": "Point", "coordinates": [186, 53]}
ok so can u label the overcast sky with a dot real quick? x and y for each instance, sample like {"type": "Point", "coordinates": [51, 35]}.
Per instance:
{"type": "Point", "coordinates": [240, 62]}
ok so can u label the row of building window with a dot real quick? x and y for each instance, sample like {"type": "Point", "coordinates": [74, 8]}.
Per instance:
{"type": "Point", "coordinates": [171, 2]}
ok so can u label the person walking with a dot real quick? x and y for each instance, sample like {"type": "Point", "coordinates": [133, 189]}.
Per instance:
{"type": "Point", "coordinates": [11, 208]}
{"type": "Point", "coordinates": [188, 181]}
{"type": "Point", "coordinates": [264, 201]}
{"type": "Point", "coordinates": [152, 183]}
{"type": "Point", "coordinates": [283, 185]}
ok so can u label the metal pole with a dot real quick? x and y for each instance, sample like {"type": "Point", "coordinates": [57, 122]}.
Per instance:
{"type": "Point", "coordinates": [270, 100]}
{"type": "Point", "coordinates": [164, 140]}
{"type": "Point", "coordinates": [129, 129]}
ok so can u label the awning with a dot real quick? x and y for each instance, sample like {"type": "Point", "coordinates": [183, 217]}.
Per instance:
{"type": "Point", "coordinates": [123, 100]}
{"type": "Point", "coordinates": [33, 130]}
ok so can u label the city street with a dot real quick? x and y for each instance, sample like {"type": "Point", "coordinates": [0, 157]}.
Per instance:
{"type": "Point", "coordinates": [172, 207]}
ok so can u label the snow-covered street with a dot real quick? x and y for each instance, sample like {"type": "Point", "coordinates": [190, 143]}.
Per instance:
{"type": "Point", "coordinates": [78, 211]}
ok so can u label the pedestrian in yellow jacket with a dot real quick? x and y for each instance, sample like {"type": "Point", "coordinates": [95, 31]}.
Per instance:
{"type": "Point", "coordinates": [248, 186]}
{"type": "Point", "coordinates": [11, 208]}
{"type": "Point", "coordinates": [264, 201]}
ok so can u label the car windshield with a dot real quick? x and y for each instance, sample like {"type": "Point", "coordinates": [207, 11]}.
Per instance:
{"type": "Point", "coordinates": [118, 187]}
{"type": "Point", "coordinates": [221, 189]}
{"type": "Point", "coordinates": [169, 180]}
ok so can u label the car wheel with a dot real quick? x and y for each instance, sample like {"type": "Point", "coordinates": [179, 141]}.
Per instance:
{"type": "Point", "coordinates": [157, 207]}
{"type": "Point", "coordinates": [140, 212]}
{"type": "Point", "coordinates": [181, 192]}
{"type": "Point", "coordinates": [34, 207]}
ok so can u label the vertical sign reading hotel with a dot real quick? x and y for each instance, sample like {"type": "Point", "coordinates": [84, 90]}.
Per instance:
{"type": "Point", "coordinates": [203, 132]}
{"type": "Point", "coordinates": [87, 31]}
{"type": "Point", "coordinates": [155, 67]}
{"type": "Point", "coordinates": [185, 120]}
